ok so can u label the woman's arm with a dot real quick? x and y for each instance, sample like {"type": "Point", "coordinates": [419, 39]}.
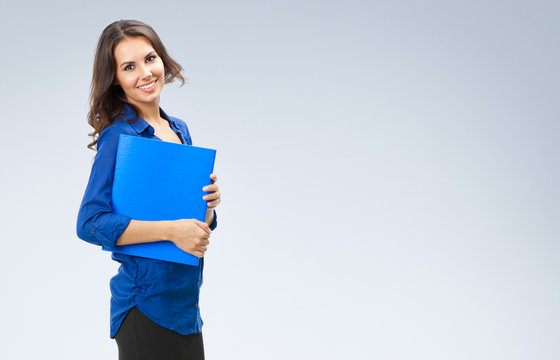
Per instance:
{"type": "Point", "coordinates": [189, 235]}
{"type": "Point", "coordinates": [96, 221]}
{"type": "Point", "coordinates": [98, 224]}
{"type": "Point", "coordinates": [209, 216]}
{"type": "Point", "coordinates": [139, 231]}
{"type": "Point", "coordinates": [213, 198]}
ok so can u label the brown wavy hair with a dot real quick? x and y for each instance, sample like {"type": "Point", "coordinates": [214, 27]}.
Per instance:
{"type": "Point", "coordinates": [106, 100]}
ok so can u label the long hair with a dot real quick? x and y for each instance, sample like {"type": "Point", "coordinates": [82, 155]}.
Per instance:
{"type": "Point", "coordinates": [106, 100]}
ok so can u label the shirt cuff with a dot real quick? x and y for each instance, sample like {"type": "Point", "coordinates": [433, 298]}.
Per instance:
{"type": "Point", "coordinates": [215, 222]}
{"type": "Point", "coordinates": [109, 228]}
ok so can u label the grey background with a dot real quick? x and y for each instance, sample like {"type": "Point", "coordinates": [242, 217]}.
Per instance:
{"type": "Point", "coordinates": [389, 174]}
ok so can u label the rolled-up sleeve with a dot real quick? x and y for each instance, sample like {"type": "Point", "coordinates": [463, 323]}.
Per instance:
{"type": "Point", "coordinates": [97, 223]}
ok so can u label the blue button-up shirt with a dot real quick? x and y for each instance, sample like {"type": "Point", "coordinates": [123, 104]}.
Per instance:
{"type": "Point", "coordinates": [166, 292]}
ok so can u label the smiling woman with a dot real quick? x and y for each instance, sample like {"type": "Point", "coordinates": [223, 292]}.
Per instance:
{"type": "Point", "coordinates": [140, 72]}
{"type": "Point", "coordinates": [154, 304]}
{"type": "Point", "coordinates": [121, 39]}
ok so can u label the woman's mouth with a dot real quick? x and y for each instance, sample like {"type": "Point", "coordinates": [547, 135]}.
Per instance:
{"type": "Point", "coordinates": [148, 87]}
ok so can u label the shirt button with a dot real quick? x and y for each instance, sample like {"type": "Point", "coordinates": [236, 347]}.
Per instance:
{"type": "Point", "coordinates": [196, 305]}
{"type": "Point", "coordinates": [92, 231]}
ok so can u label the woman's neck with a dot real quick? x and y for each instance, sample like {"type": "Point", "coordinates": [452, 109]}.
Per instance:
{"type": "Point", "coordinates": [150, 112]}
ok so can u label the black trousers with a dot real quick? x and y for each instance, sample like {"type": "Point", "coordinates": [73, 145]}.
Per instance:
{"type": "Point", "coordinates": [139, 338]}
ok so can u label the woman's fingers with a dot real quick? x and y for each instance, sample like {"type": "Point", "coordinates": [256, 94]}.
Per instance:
{"type": "Point", "coordinates": [200, 249]}
{"type": "Point", "coordinates": [213, 199]}
{"type": "Point", "coordinates": [204, 242]}
{"type": "Point", "coordinates": [213, 204]}
{"type": "Point", "coordinates": [212, 196]}
{"type": "Point", "coordinates": [192, 236]}
{"type": "Point", "coordinates": [204, 226]}
{"type": "Point", "coordinates": [210, 188]}
{"type": "Point", "coordinates": [203, 247]}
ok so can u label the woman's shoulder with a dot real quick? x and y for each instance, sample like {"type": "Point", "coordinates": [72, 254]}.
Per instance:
{"type": "Point", "coordinates": [120, 126]}
{"type": "Point", "coordinates": [113, 131]}
{"type": "Point", "coordinates": [178, 122]}
{"type": "Point", "coordinates": [182, 127]}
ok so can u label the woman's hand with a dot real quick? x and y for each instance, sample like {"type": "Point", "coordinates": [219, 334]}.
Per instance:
{"type": "Point", "coordinates": [190, 235]}
{"type": "Point", "coordinates": [214, 196]}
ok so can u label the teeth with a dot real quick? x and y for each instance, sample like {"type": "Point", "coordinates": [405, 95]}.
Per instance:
{"type": "Point", "coordinates": [148, 86]}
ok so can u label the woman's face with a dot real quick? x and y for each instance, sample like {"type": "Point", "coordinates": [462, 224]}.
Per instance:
{"type": "Point", "coordinates": [140, 71]}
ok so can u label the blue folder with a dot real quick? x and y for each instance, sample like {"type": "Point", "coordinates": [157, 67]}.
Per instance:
{"type": "Point", "coordinates": [158, 180]}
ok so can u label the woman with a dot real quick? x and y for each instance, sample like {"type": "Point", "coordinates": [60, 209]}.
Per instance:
{"type": "Point", "coordinates": [154, 304]}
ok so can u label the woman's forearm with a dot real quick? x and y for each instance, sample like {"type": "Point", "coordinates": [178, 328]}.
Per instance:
{"type": "Point", "coordinates": [139, 231]}
{"type": "Point", "coordinates": [190, 235]}
{"type": "Point", "coordinates": [209, 216]}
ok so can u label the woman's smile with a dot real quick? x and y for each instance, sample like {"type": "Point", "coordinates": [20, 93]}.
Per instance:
{"type": "Point", "coordinates": [149, 87]}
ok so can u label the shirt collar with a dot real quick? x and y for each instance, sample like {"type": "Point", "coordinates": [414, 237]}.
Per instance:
{"type": "Point", "coordinates": [138, 123]}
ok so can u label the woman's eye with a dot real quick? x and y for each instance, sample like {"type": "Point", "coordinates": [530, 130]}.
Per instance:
{"type": "Point", "coordinates": [151, 58]}
{"type": "Point", "coordinates": [128, 67]}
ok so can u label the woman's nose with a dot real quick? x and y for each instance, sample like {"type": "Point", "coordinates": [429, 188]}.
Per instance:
{"type": "Point", "coordinates": [146, 73]}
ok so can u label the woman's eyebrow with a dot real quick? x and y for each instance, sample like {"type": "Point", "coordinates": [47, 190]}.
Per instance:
{"type": "Point", "coordinates": [153, 52]}
{"type": "Point", "coordinates": [127, 62]}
